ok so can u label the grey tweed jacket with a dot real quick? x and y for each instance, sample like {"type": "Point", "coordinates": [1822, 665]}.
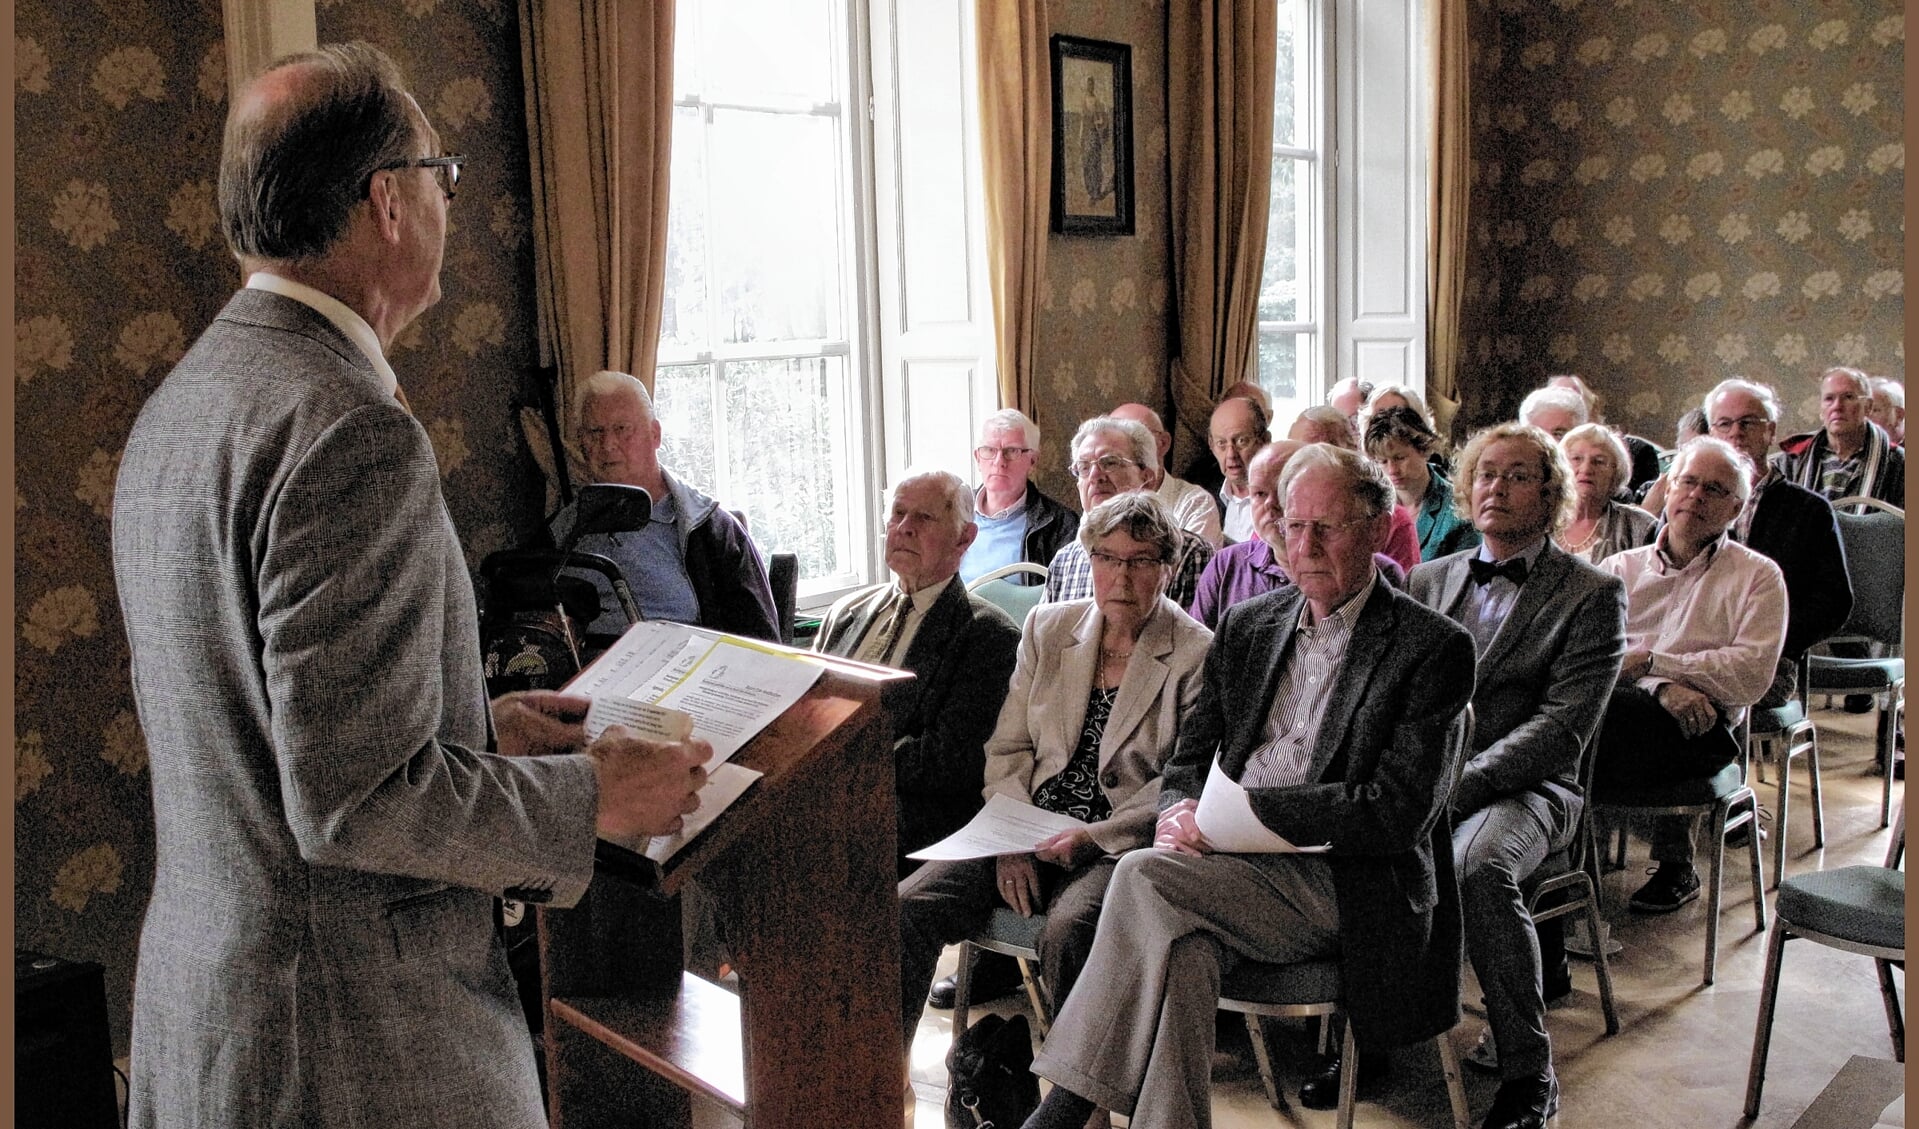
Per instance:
{"type": "Point", "coordinates": [330, 830]}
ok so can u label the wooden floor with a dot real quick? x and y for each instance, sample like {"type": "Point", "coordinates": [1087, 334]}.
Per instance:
{"type": "Point", "coordinates": [1680, 1057]}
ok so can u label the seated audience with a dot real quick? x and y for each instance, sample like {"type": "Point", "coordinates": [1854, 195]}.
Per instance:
{"type": "Point", "coordinates": [1238, 429]}
{"type": "Point", "coordinates": [1193, 507]}
{"type": "Point", "coordinates": [1017, 521]}
{"type": "Point", "coordinates": [1790, 524]}
{"type": "Point", "coordinates": [1349, 397]}
{"type": "Point", "coordinates": [1644, 466]}
{"type": "Point", "coordinates": [1554, 411]}
{"type": "Point", "coordinates": [1705, 623]}
{"type": "Point", "coordinates": [1889, 409]}
{"type": "Point", "coordinates": [961, 648]}
{"type": "Point", "coordinates": [1239, 572]}
{"type": "Point", "coordinates": [693, 563]}
{"type": "Point", "coordinates": [1110, 457]}
{"type": "Point", "coordinates": [1324, 425]}
{"type": "Point", "coordinates": [1090, 719]}
{"type": "Point", "coordinates": [1400, 442]}
{"type": "Point", "coordinates": [1601, 524]}
{"type": "Point", "coordinates": [1330, 703]}
{"type": "Point", "coordinates": [1850, 456]}
{"type": "Point", "coordinates": [1547, 627]}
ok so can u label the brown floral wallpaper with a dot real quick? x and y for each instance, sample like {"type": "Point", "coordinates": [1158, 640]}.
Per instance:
{"type": "Point", "coordinates": [1670, 194]}
{"type": "Point", "coordinates": [118, 113]}
{"type": "Point", "coordinates": [1103, 323]}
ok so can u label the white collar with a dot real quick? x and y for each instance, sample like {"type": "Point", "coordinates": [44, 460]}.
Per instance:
{"type": "Point", "coordinates": [339, 313]}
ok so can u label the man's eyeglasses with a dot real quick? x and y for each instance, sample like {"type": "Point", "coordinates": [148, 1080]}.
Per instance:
{"type": "Point", "coordinates": [1242, 443]}
{"type": "Point", "coordinates": [1518, 476]}
{"type": "Point", "coordinates": [445, 169]}
{"type": "Point", "coordinates": [995, 454]}
{"type": "Point", "coordinates": [1130, 564]}
{"type": "Point", "coordinates": [1743, 423]}
{"type": "Point", "coordinates": [1296, 529]}
{"type": "Point", "coordinates": [1105, 464]}
{"type": "Point", "coordinates": [1691, 483]}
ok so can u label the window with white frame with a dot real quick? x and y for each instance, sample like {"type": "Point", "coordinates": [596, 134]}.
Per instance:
{"type": "Point", "coordinates": [1290, 292]}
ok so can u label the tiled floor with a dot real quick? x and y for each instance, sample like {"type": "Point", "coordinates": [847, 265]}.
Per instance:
{"type": "Point", "coordinates": [1680, 1057]}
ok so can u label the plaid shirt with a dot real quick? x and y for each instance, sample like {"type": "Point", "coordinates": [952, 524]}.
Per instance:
{"type": "Point", "coordinates": [1070, 576]}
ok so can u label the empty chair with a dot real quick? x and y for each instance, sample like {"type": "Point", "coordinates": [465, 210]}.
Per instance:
{"type": "Point", "coordinates": [1875, 540]}
{"type": "Point", "coordinates": [1001, 588]}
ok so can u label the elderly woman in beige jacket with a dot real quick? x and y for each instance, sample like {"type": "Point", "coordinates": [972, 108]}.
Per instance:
{"type": "Point", "coordinates": [1091, 716]}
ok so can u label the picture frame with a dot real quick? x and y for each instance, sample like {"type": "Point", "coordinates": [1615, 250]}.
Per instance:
{"type": "Point", "coordinates": [1092, 136]}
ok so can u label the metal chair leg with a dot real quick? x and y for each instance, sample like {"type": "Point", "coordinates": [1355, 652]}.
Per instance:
{"type": "Point", "coordinates": [1601, 965]}
{"type": "Point", "coordinates": [963, 986]}
{"type": "Point", "coordinates": [1818, 800]}
{"type": "Point", "coordinates": [1264, 1058]}
{"type": "Point", "coordinates": [1762, 1030]}
{"type": "Point", "coordinates": [1784, 805]}
{"type": "Point", "coordinates": [1348, 1077]}
{"type": "Point", "coordinates": [1455, 1085]}
{"type": "Point", "coordinates": [1895, 1019]}
{"type": "Point", "coordinates": [1718, 829]}
{"type": "Point", "coordinates": [1757, 859]}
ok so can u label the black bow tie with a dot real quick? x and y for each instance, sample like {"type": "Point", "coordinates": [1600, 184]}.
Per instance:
{"type": "Point", "coordinates": [1484, 572]}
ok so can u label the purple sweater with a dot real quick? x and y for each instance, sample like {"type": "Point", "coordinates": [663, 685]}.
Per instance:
{"type": "Point", "coordinates": [1240, 572]}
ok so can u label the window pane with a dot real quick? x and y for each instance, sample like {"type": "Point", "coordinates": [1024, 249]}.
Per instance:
{"type": "Point", "coordinates": [1279, 285]}
{"type": "Point", "coordinates": [1290, 68]}
{"type": "Point", "coordinates": [684, 312]}
{"type": "Point", "coordinates": [763, 51]}
{"type": "Point", "coordinates": [787, 458]}
{"type": "Point", "coordinates": [775, 226]}
{"type": "Point", "coordinates": [1279, 366]}
{"type": "Point", "coordinates": [683, 400]}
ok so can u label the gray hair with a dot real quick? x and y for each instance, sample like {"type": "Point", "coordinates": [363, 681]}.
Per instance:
{"type": "Point", "coordinates": [1859, 379]}
{"type": "Point", "coordinates": [1564, 399]}
{"type": "Point", "coordinates": [1145, 448]}
{"type": "Point", "coordinates": [1889, 390]}
{"type": "Point", "coordinates": [1558, 484]}
{"type": "Point", "coordinates": [1599, 435]}
{"type": "Point", "coordinates": [1324, 417]}
{"type": "Point", "coordinates": [1741, 465]}
{"type": "Point", "coordinates": [1768, 400]}
{"type": "Point", "coordinates": [1137, 514]}
{"type": "Point", "coordinates": [1365, 478]}
{"type": "Point", "coordinates": [292, 169]}
{"type": "Point", "coordinates": [959, 496]}
{"type": "Point", "coordinates": [607, 383]}
{"type": "Point", "coordinates": [1008, 418]}
{"type": "Point", "coordinates": [1405, 392]}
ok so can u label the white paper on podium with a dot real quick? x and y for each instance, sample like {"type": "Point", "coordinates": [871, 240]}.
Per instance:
{"type": "Point", "coordinates": [1226, 818]}
{"type": "Point", "coordinates": [1005, 826]}
{"type": "Point", "coordinates": [726, 783]}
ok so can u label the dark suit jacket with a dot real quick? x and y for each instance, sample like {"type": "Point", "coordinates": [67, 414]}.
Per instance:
{"type": "Point", "coordinates": [1543, 684]}
{"type": "Point", "coordinates": [1377, 789]}
{"type": "Point", "coordinates": [1795, 527]}
{"type": "Point", "coordinates": [963, 656]}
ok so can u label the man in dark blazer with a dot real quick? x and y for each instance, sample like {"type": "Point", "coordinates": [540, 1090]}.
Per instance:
{"type": "Point", "coordinates": [1330, 702]}
{"type": "Point", "coordinates": [1549, 629]}
{"type": "Point", "coordinates": [334, 808]}
{"type": "Point", "coordinates": [961, 649]}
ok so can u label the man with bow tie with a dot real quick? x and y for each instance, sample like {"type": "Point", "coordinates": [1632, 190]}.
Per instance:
{"type": "Point", "coordinates": [961, 648]}
{"type": "Point", "coordinates": [1548, 628]}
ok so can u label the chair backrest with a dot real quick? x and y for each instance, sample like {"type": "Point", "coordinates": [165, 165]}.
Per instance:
{"type": "Point", "coordinates": [1019, 572]}
{"type": "Point", "coordinates": [783, 576]}
{"type": "Point", "coordinates": [1875, 543]}
{"type": "Point", "coordinates": [1002, 588]}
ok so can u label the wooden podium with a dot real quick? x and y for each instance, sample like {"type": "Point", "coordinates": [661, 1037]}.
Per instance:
{"type": "Point", "coordinates": [803, 869]}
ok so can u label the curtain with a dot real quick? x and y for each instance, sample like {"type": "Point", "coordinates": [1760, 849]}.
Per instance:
{"type": "Point", "coordinates": [1220, 56]}
{"type": "Point", "coordinates": [599, 110]}
{"type": "Point", "coordinates": [1447, 206]}
{"type": "Point", "coordinates": [1016, 150]}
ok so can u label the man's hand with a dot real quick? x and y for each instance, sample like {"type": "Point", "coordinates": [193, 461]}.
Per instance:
{"type": "Point", "coordinates": [1694, 712]}
{"type": "Point", "coordinates": [1636, 665]}
{"type": "Point", "coordinates": [1072, 848]}
{"type": "Point", "coordinates": [1178, 830]}
{"type": "Point", "coordinates": [532, 723]}
{"type": "Point", "coordinates": [1018, 879]}
{"type": "Point", "coordinates": [646, 786]}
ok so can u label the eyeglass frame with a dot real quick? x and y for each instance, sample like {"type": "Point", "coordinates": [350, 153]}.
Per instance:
{"type": "Point", "coordinates": [449, 181]}
{"type": "Point", "coordinates": [1130, 564]}
{"type": "Point", "coordinates": [1517, 476]}
{"type": "Point", "coordinates": [1692, 483]}
{"type": "Point", "coordinates": [1743, 423]}
{"type": "Point", "coordinates": [991, 455]}
{"type": "Point", "coordinates": [1107, 463]}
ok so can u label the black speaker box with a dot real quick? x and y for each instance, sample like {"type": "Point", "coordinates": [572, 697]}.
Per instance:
{"type": "Point", "coordinates": [62, 1053]}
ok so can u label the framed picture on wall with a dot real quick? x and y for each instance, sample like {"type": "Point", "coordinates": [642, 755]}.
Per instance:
{"type": "Point", "coordinates": [1092, 137]}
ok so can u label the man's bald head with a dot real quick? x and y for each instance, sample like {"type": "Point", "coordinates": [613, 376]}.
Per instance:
{"type": "Point", "coordinates": [1149, 419]}
{"type": "Point", "coordinates": [1324, 424]}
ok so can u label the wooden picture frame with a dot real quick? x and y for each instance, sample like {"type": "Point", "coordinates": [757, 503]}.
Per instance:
{"type": "Point", "coordinates": [1092, 136]}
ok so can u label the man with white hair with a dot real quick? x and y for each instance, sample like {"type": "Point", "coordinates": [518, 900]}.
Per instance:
{"type": "Point", "coordinates": [1787, 522]}
{"type": "Point", "coordinates": [1110, 457]}
{"type": "Point", "coordinates": [1349, 397]}
{"type": "Point", "coordinates": [693, 563]}
{"type": "Point", "coordinates": [1889, 408]}
{"type": "Point", "coordinates": [1192, 506]}
{"type": "Point", "coordinates": [961, 647]}
{"type": "Point", "coordinates": [1553, 410]}
{"type": "Point", "coordinates": [1017, 521]}
{"type": "Point", "coordinates": [1705, 623]}
{"type": "Point", "coordinates": [1850, 456]}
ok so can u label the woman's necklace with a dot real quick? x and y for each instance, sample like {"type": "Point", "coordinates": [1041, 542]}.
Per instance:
{"type": "Point", "coordinates": [1592, 535]}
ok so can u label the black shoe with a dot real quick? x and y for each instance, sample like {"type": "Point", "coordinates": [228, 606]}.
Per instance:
{"type": "Point", "coordinates": [1672, 885]}
{"type": "Point", "coordinates": [1321, 1091]}
{"type": "Point", "coordinates": [993, 976]}
{"type": "Point", "coordinates": [1555, 982]}
{"type": "Point", "coordinates": [1523, 1103]}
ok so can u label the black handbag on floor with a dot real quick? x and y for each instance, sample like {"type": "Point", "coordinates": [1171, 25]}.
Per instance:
{"type": "Point", "coordinates": [990, 1079]}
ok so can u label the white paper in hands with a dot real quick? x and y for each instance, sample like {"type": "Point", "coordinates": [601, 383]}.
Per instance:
{"type": "Point", "coordinates": [724, 784]}
{"type": "Point", "coordinates": [1005, 826]}
{"type": "Point", "coordinates": [1225, 816]}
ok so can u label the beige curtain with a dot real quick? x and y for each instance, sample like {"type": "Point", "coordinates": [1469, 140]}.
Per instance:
{"type": "Point", "coordinates": [1447, 205]}
{"type": "Point", "coordinates": [1219, 117]}
{"type": "Point", "coordinates": [1016, 129]}
{"type": "Point", "coordinates": [599, 115]}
